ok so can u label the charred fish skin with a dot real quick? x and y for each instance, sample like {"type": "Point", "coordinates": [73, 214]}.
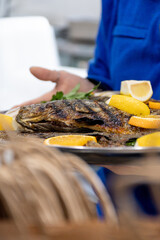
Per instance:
{"type": "Point", "coordinates": [74, 116]}
{"type": "Point", "coordinates": [43, 117]}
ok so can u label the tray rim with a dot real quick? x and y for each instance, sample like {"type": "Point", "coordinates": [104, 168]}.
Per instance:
{"type": "Point", "coordinates": [109, 150]}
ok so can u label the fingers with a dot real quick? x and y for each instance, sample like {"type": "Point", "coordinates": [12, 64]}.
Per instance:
{"type": "Point", "coordinates": [45, 74]}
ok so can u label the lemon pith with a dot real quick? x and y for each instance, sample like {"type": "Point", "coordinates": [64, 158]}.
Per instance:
{"type": "Point", "coordinates": [124, 89]}
{"type": "Point", "coordinates": [139, 91]}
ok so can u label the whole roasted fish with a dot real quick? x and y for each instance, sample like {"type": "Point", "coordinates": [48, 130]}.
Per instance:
{"type": "Point", "coordinates": [75, 116]}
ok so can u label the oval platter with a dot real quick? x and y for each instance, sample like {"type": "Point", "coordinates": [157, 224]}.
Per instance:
{"type": "Point", "coordinates": [112, 155]}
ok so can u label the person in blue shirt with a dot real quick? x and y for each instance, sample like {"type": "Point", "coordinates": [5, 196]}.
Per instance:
{"type": "Point", "coordinates": [127, 47]}
{"type": "Point", "coordinates": [128, 44]}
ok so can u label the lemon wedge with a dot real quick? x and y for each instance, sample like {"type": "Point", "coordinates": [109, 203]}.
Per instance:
{"type": "Point", "coordinates": [150, 122]}
{"type": "Point", "coordinates": [154, 104]}
{"type": "Point", "coordinates": [69, 140]}
{"type": "Point", "coordinates": [140, 90]}
{"type": "Point", "coordinates": [129, 105]}
{"type": "Point", "coordinates": [6, 123]}
{"type": "Point", "coordinates": [149, 140]}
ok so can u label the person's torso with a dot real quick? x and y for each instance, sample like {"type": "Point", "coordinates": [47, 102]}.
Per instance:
{"type": "Point", "coordinates": [135, 48]}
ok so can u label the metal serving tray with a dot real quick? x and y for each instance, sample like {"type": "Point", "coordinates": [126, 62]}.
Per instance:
{"type": "Point", "coordinates": [110, 156]}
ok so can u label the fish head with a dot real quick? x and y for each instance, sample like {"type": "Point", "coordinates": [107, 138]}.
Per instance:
{"type": "Point", "coordinates": [29, 115]}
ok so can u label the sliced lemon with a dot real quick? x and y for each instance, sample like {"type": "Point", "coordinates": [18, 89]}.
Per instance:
{"type": "Point", "coordinates": [150, 122]}
{"type": "Point", "coordinates": [125, 87]}
{"type": "Point", "coordinates": [129, 105]}
{"type": "Point", "coordinates": [154, 105]}
{"type": "Point", "coordinates": [69, 140]}
{"type": "Point", "coordinates": [149, 140]}
{"type": "Point", "coordinates": [6, 123]}
{"type": "Point", "coordinates": [140, 90]}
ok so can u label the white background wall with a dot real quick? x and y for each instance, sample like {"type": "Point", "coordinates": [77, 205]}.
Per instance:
{"type": "Point", "coordinates": [57, 11]}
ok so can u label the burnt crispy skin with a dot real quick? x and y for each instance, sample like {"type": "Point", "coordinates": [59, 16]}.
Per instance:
{"type": "Point", "coordinates": [74, 116]}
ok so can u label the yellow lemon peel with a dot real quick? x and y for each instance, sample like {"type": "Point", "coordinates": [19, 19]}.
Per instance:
{"type": "Point", "coordinates": [149, 140]}
{"type": "Point", "coordinates": [6, 123]}
{"type": "Point", "coordinates": [129, 105]}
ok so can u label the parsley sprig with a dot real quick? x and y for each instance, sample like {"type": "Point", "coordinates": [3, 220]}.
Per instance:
{"type": "Point", "coordinates": [131, 142]}
{"type": "Point", "coordinates": [73, 94]}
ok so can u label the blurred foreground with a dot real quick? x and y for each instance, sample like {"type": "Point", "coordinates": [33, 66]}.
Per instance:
{"type": "Point", "coordinates": [41, 196]}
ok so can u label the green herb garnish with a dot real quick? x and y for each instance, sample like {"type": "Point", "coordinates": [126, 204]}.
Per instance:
{"type": "Point", "coordinates": [74, 94]}
{"type": "Point", "coordinates": [131, 142]}
{"type": "Point", "coordinates": [57, 96]}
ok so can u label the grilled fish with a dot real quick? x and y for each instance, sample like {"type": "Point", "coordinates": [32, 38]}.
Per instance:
{"type": "Point", "coordinates": [75, 116]}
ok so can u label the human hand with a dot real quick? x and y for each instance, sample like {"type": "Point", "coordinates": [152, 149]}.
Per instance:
{"type": "Point", "coordinates": [65, 82]}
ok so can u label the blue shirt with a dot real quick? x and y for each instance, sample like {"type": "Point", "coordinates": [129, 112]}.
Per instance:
{"type": "Point", "coordinates": [128, 47]}
{"type": "Point", "coordinates": [141, 193]}
{"type": "Point", "coordinates": [128, 44]}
